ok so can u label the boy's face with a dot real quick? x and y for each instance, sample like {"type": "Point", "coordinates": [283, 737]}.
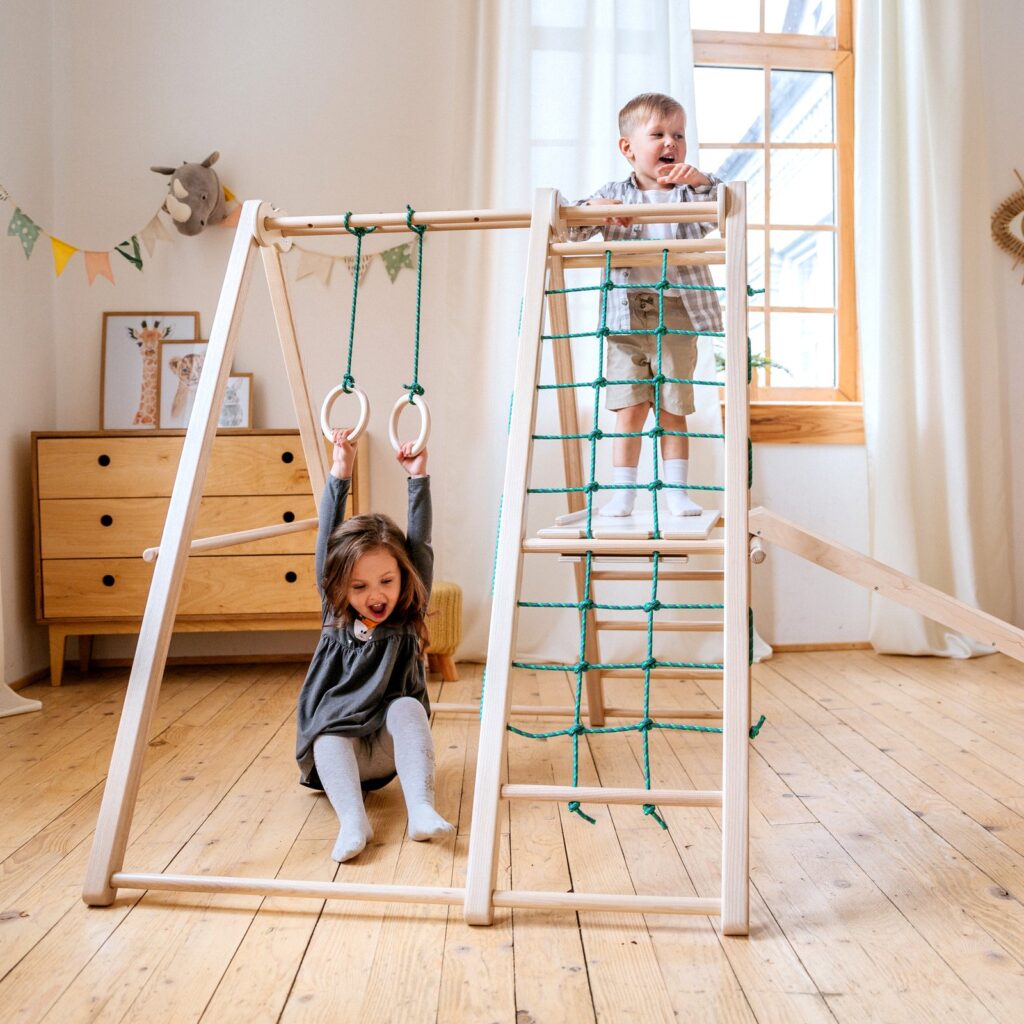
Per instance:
{"type": "Point", "coordinates": [654, 145]}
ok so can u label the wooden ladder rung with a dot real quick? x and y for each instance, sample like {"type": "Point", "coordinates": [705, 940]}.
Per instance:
{"type": "Point", "coordinates": [621, 904]}
{"type": "Point", "coordinates": [702, 626]}
{"type": "Point", "coordinates": [610, 795]}
{"type": "Point", "coordinates": [559, 711]}
{"type": "Point", "coordinates": [689, 575]}
{"type": "Point", "coordinates": [662, 673]}
{"type": "Point", "coordinates": [646, 246]}
{"type": "Point", "coordinates": [623, 546]}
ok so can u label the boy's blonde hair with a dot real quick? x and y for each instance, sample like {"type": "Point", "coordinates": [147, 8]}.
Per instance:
{"type": "Point", "coordinates": [644, 106]}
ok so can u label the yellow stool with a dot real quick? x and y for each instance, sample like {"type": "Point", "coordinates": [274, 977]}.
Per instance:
{"type": "Point", "coordinates": [444, 621]}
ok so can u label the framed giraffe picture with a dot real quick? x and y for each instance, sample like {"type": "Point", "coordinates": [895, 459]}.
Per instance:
{"type": "Point", "coordinates": [130, 366]}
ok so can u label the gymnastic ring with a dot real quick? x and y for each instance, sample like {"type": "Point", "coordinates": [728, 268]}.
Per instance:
{"type": "Point", "coordinates": [421, 442]}
{"type": "Point", "coordinates": [364, 411]}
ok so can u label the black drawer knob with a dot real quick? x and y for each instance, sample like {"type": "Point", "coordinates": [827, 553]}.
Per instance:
{"type": "Point", "coordinates": [289, 517]}
{"type": "Point", "coordinates": [108, 580]}
{"type": "Point", "coordinates": [287, 457]}
{"type": "Point", "coordinates": [290, 576]}
{"type": "Point", "coordinates": [106, 520]}
{"type": "Point", "coordinates": [104, 460]}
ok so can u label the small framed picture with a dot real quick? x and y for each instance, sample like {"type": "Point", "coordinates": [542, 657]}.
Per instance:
{"type": "Point", "coordinates": [237, 408]}
{"type": "Point", "coordinates": [181, 363]}
{"type": "Point", "coordinates": [130, 366]}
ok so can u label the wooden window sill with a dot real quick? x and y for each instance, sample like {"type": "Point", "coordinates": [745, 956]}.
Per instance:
{"type": "Point", "coordinates": [807, 422]}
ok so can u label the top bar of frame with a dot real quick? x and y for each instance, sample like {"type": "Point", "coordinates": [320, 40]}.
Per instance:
{"type": "Point", "coordinates": [456, 220]}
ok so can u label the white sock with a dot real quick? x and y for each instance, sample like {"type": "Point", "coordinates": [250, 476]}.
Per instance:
{"type": "Point", "coordinates": [674, 471]}
{"type": "Point", "coordinates": [621, 503]}
{"type": "Point", "coordinates": [335, 759]}
{"type": "Point", "coordinates": [414, 761]}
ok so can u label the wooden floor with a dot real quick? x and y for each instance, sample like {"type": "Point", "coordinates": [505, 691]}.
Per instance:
{"type": "Point", "coordinates": [887, 854]}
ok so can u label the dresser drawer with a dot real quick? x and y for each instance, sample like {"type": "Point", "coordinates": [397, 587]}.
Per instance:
{"type": "Point", "coordinates": [123, 527]}
{"type": "Point", "coordinates": [101, 467]}
{"type": "Point", "coordinates": [215, 585]}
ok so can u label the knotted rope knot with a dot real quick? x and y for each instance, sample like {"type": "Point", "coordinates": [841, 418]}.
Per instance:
{"type": "Point", "coordinates": [756, 728]}
{"type": "Point", "coordinates": [605, 331]}
{"type": "Point", "coordinates": [418, 228]}
{"type": "Point", "coordinates": [656, 485]}
{"type": "Point", "coordinates": [595, 435]}
{"type": "Point", "coordinates": [581, 666]}
{"type": "Point", "coordinates": [663, 284]}
{"type": "Point", "coordinates": [649, 663]}
{"type": "Point", "coordinates": [576, 730]}
{"type": "Point", "coordinates": [653, 812]}
{"type": "Point", "coordinates": [574, 806]}
{"type": "Point", "coordinates": [652, 606]}
{"type": "Point", "coordinates": [585, 605]}
{"type": "Point", "coordinates": [658, 431]}
{"type": "Point", "coordinates": [608, 285]}
{"type": "Point", "coordinates": [658, 379]}
{"type": "Point", "coordinates": [414, 389]}
{"type": "Point", "coordinates": [600, 382]}
{"type": "Point", "coordinates": [346, 383]}
{"type": "Point", "coordinates": [358, 232]}
{"type": "Point", "coordinates": [646, 724]}
{"type": "Point", "coordinates": [661, 329]}
{"type": "Point", "coordinates": [754, 291]}
{"type": "Point", "coordinates": [592, 487]}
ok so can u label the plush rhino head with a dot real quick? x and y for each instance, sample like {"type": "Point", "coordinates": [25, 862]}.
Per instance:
{"type": "Point", "coordinates": [195, 199]}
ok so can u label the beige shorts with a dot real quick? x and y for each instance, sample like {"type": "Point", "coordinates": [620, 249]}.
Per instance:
{"type": "Point", "coordinates": [635, 356]}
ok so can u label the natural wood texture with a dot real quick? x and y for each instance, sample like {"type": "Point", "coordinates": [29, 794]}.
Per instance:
{"type": "Point", "coordinates": [105, 500]}
{"type": "Point", "coordinates": [887, 823]}
{"type": "Point", "coordinates": [807, 422]}
{"type": "Point", "coordinates": [887, 582]}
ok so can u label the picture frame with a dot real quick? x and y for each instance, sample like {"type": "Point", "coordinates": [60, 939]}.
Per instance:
{"type": "Point", "coordinates": [236, 412]}
{"type": "Point", "coordinates": [181, 363]}
{"type": "Point", "coordinates": [130, 368]}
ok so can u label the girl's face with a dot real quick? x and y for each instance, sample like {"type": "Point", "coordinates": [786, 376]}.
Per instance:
{"type": "Point", "coordinates": [375, 585]}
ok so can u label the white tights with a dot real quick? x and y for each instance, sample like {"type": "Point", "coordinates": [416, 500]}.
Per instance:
{"type": "Point", "coordinates": [404, 745]}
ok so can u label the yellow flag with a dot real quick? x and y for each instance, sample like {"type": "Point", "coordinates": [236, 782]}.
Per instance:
{"type": "Point", "coordinates": [228, 194]}
{"type": "Point", "coordinates": [62, 252]}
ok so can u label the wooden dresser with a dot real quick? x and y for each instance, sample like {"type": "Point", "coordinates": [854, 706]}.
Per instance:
{"type": "Point", "coordinates": [101, 498]}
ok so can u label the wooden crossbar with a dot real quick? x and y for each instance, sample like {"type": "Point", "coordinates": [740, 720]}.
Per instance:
{"type": "Point", "coordinates": [227, 540]}
{"type": "Point", "coordinates": [610, 795]}
{"type": "Point", "coordinates": [560, 711]}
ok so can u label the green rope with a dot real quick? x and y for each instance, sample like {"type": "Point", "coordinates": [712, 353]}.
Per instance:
{"type": "Point", "coordinates": [348, 380]}
{"type": "Point", "coordinates": [421, 229]}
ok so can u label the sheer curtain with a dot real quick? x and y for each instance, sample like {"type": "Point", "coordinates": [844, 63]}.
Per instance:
{"type": "Point", "coordinates": [935, 419]}
{"type": "Point", "coordinates": [11, 703]}
{"type": "Point", "coordinates": [549, 82]}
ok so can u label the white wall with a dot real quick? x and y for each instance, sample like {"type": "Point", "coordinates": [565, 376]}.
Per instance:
{"type": "Point", "coordinates": [323, 106]}
{"type": "Point", "coordinates": [28, 379]}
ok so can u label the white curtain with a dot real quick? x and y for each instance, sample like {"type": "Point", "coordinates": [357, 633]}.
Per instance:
{"type": "Point", "coordinates": [935, 420]}
{"type": "Point", "coordinates": [11, 703]}
{"type": "Point", "coordinates": [549, 81]}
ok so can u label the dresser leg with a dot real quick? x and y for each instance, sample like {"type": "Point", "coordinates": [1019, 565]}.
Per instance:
{"type": "Point", "coordinates": [57, 638]}
{"type": "Point", "coordinates": [84, 652]}
{"type": "Point", "coordinates": [443, 665]}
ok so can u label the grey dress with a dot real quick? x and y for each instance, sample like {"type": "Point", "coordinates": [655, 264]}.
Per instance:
{"type": "Point", "coordinates": [351, 682]}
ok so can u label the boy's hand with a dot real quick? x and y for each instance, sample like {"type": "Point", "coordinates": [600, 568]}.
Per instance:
{"type": "Point", "coordinates": [623, 222]}
{"type": "Point", "coordinates": [344, 454]}
{"type": "Point", "coordinates": [683, 174]}
{"type": "Point", "coordinates": [414, 465]}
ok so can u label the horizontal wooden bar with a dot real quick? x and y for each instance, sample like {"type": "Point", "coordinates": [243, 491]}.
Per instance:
{"type": "Point", "coordinates": [600, 901]}
{"type": "Point", "coordinates": [558, 711]}
{"type": "Point", "coordinates": [609, 795]}
{"type": "Point", "coordinates": [621, 546]}
{"type": "Point", "coordinates": [692, 575]}
{"type": "Point", "coordinates": [591, 248]}
{"type": "Point", "coordinates": [703, 626]}
{"type": "Point", "coordinates": [675, 259]}
{"type": "Point", "coordinates": [704, 211]}
{"type": "Point", "coordinates": [235, 885]}
{"type": "Point", "coordinates": [227, 540]}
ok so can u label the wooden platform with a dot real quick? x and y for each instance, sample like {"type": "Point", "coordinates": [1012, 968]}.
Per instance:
{"type": "Point", "coordinates": [887, 842]}
{"type": "Point", "coordinates": [638, 526]}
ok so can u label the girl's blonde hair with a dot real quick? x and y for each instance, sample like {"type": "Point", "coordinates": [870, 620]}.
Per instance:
{"type": "Point", "coordinates": [359, 536]}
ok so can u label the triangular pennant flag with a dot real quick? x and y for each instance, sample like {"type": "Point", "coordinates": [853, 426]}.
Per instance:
{"type": "Point", "coordinates": [25, 229]}
{"type": "Point", "coordinates": [229, 196]}
{"type": "Point", "coordinates": [231, 220]}
{"type": "Point", "coordinates": [154, 232]}
{"type": "Point", "coordinates": [4, 194]}
{"type": "Point", "coordinates": [396, 258]}
{"type": "Point", "coordinates": [135, 255]}
{"type": "Point", "coordinates": [364, 265]}
{"type": "Point", "coordinates": [314, 264]}
{"type": "Point", "coordinates": [97, 264]}
{"type": "Point", "coordinates": [62, 252]}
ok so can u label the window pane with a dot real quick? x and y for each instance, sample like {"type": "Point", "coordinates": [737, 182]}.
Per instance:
{"type": "Point", "coordinates": [805, 17]}
{"type": "Point", "coordinates": [730, 104]}
{"type": "Point", "coordinates": [805, 344]}
{"type": "Point", "coordinates": [739, 165]}
{"type": "Point", "coordinates": [755, 331]}
{"type": "Point", "coordinates": [803, 268]}
{"type": "Point", "coordinates": [567, 14]}
{"type": "Point", "coordinates": [802, 106]}
{"type": "Point", "coordinates": [803, 186]}
{"type": "Point", "coordinates": [755, 266]}
{"type": "Point", "coordinates": [734, 16]}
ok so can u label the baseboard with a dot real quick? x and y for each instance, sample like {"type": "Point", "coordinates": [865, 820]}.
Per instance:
{"type": "Point", "coordinates": [858, 645]}
{"type": "Point", "coordinates": [33, 677]}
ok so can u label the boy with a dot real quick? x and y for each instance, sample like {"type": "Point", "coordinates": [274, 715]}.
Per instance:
{"type": "Point", "coordinates": [652, 129]}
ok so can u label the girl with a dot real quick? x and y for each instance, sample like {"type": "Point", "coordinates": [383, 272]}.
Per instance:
{"type": "Point", "coordinates": [362, 714]}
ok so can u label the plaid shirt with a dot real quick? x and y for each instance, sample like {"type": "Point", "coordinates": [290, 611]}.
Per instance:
{"type": "Point", "coordinates": [704, 308]}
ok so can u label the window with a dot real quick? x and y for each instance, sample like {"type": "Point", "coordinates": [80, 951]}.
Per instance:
{"type": "Point", "coordinates": [774, 97]}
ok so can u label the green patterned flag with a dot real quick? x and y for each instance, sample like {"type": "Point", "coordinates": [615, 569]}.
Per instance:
{"type": "Point", "coordinates": [395, 259]}
{"type": "Point", "coordinates": [135, 256]}
{"type": "Point", "coordinates": [25, 229]}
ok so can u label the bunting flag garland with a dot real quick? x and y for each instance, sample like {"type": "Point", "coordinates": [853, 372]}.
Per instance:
{"type": "Point", "coordinates": [134, 256]}
{"type": "Point", "coordinates": [364, 265]}
{"type": "Point", "coordinates": [62, 252]}
{"type": "Point", "coordinates": [26, 231]}
{"type": "Point", "coordinates": [314, 264]}
{"type": "Point", "coordinates": [152, 233]}
{"type": "Point", "coordinates": [97, 264]}
{"type": "Point", "coordinates": [395, 259]}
